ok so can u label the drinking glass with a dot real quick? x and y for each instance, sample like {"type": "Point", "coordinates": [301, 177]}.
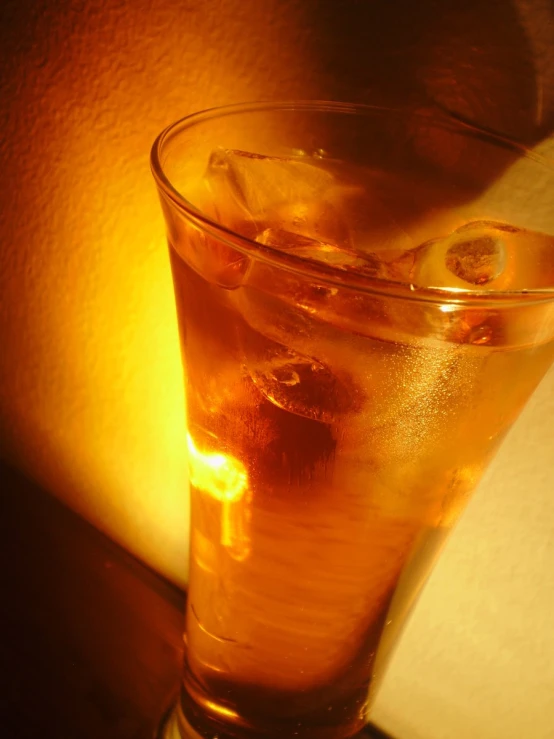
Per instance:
{"type": "Point", "coordinates": [366, 301]}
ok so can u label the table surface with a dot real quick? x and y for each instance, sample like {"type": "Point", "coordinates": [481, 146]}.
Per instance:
{"type": "Point", "coordinates": [91, 639]}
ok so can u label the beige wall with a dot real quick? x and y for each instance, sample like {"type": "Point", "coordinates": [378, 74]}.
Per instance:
{"type": "Point", "coordinates": [90, 391]}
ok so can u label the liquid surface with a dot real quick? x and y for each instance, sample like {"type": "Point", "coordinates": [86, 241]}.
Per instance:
{"type": "Point", "coordinates": [334, 436]}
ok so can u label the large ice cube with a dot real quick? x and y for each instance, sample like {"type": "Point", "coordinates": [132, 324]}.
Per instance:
{"type": "Point", "coordinates": [318, 208]}
{"type": "Point", "coordinates": [267, 191]}
{"type": "Point", "coordinates": [260, 182]}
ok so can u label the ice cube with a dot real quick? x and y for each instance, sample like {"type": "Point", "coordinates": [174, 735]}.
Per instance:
{"type": "Point", "coordinates": [298, 383]}
{"type": "Point", "coordinates": [259, 183]}
{"type": "Point", "coordinates": [300, 202]}
{"type": "Point", "coordinates": [473, 257]}
{"type": "Point", "coordinates": [528, 256]}
{"type": "Point", "coordinates": [484, 256]}
{"type": "Point", "coordinates": [255, 191]}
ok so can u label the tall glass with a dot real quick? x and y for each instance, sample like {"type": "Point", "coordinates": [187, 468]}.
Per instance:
{"type": "Point", "coordinates": [366, 302]}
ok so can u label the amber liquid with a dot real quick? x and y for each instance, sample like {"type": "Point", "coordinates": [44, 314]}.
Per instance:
{"type": "Point", "coordinates": [334, 439]}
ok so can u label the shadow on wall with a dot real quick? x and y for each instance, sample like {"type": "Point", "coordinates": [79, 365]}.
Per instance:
{"type": "Point", "coordinates": [91, 400]}
{"type": "Point", "coordinates": [488, 62]}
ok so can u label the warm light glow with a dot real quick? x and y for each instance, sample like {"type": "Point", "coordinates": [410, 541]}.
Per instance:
{"type": "Point", "coordinates": [91, 397]}
{"type": "Point", "coordinates": [225, 479]}
{"type": "Point", "coordinates": [222, 476]}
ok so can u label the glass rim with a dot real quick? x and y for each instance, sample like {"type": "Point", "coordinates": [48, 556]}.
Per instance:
{"type": "Point", "coordinates": [320, 271]}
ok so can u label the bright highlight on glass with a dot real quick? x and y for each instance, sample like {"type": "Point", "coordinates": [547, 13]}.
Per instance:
{"type": "Point", "coordinates": [225, 480]}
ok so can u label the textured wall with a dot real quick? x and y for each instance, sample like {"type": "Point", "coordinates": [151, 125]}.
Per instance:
{"type": "Point", "coordinates": [90, 379]}
{"type": "Point", "coordinates": [90, 390]}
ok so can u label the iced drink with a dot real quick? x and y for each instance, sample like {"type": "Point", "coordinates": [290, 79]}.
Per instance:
{"type": "Point", "coordinates": [342, 405]}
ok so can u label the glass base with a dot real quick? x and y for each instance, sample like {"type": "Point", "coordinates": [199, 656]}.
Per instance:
{"type": "Point", "coordinates": [175, 726]}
